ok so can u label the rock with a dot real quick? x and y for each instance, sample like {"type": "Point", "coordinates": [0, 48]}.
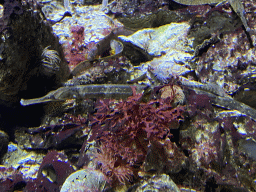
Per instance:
{"type": "Point", "coordinates": [28, 163]}
{"type": "Point", "coordinates": [221, 142]}
{"type": "Point", "coordinates": [159, 183]}
{"type": "Point", "coordinates": [85, 180]}
{"type": "Point", "coordinates": [4, 138]}
{"type": "Point", "coordinates": [31, 63]}
{"type": "Point", "coordinates": [133, 8]}
{"type": "Point", "coordinates": [29, 50]}
{"type": "Point", "coordinates": [237, 6]}
{"type": "Point", "coordinates": [52, 173]}
{"type": "Point", "coordinates": [248, 146]}
{"type": "Point", "coordinates": [69, 133]}
{"type": "Point", "coordinates": [170, 47]}
{"type": "Point", "coordinates": [88, 25]}
{"type": "Point", "coordinates": [164, 40]}
{"type": "Point", "coordinates": [11, 179]}
{"type": "Point", "coordinates": [164, 157]}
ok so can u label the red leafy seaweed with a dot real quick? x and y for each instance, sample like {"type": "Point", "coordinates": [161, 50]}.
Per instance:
{"type": "Point", "coordinates": [124, 130]}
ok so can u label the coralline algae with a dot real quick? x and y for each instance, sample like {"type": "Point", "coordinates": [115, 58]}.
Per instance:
{"type": "Point", "coordinates": [95, 22]}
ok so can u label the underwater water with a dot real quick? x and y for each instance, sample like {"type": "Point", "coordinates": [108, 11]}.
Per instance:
{"type": "Point", "coordinates": [127, 95]}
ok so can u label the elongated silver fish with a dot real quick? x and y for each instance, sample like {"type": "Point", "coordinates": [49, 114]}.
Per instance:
{"type": "Point", "coordinates": [197, 2]}
{"type": "Point", "coordinates": [115, 91]}
{"type": "Point", "coordinates": [107, 91]}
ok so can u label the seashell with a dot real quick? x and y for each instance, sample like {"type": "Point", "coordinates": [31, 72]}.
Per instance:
{"type": "Point", "coordinates": [174, 91]}
{"type": "Point", "coordinates": [50, 59]}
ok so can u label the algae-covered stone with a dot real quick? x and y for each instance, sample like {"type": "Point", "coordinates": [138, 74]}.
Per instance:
{"type": "Point", "coordinates": [169, 45]}
{"type": "Point", "coordinates": [84, 180]}
{"type": "Point", "coordinates": [158, 183]}
{"type": "Point", "coordinates": [161, 40]}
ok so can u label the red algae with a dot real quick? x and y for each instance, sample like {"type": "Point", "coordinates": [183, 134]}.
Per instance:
{"type": "Point", "coordinates": [124, 130]}
{"type": "Point", "coordinates": [75, 52]}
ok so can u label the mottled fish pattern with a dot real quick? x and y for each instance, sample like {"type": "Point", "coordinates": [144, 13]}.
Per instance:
{"type": "Point", "coordinates": [197, 2]}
